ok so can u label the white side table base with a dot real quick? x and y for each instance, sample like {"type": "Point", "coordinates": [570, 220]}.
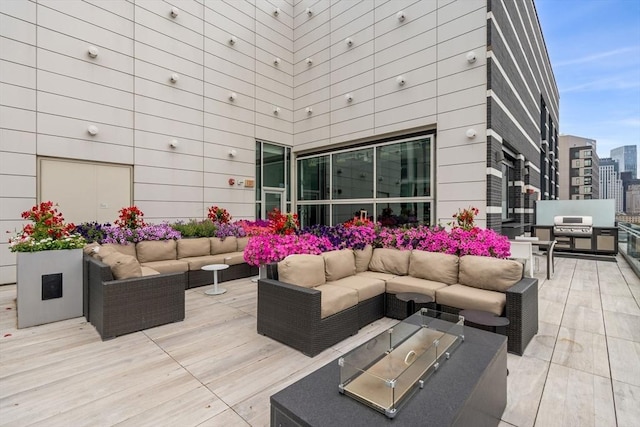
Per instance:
{"type": "Point", "coordinates": [216, 290]}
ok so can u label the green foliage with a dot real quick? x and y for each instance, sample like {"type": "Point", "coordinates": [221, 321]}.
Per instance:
{"type": "Point", "coordinates": [194, 228]}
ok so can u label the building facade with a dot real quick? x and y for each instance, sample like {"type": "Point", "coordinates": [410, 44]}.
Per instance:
{"type": "Point", "coordinates": [610, 182]}
{"type": "Point", "coordinates": [408, 110]}
{"type": "Point", "coordinates": [579, 177]}
{"type": "Point", "coordinates": [627, 158]}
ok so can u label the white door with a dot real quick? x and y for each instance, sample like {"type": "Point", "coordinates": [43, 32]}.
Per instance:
{"type": "Point", "coordinates": [273, 198]}
{"type": "Point", "coordinates": [85, 191]}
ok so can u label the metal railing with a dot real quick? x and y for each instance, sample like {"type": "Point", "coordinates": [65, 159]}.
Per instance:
{"type": "Point", "coordinates": [629, 244]}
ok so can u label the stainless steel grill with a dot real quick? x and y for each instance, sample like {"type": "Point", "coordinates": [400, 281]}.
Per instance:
{"type": "Point", "coordinates": [572, 225]}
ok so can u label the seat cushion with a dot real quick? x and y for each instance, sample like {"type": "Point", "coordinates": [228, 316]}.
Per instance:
{"type": "Point", "coordinates": [334, 299]}
{"type": "Point", "coordinates": [148, 271]}
{"type": "Point", "coordinates": [156, 250]}
{"type": "Point", "coordinates": [401, 284]}
{"type": "Point", "coordinates": [168, 266]}
{"type": "Point", "coordinates": [223, 246]}
{"type": "Point", "coordinates": [234, 258]}
{"type": "Point", "coordinates": [123, 266]}
{"type": "Point", "coordinates": [377, 275]}
{"type": "Point", "coordinates": [366, 287]}
{"type": "Point", "coordinates": [363, 258]}
{"type": "Point", "coordinates": [302, 270]}
{"type": "Point", "coordinates": [193, 247]}
{"type": "Point", "coordinates": [493, 274]}
{"type": "Point", "coordinates": [339, 264]}
{"type": "Point", "coordinates": [392, 261]}
{"type": "Point", "coordinates": [467, 297]}
{"type": "Point", "coordinates": [197, 262]}
{"type": "Point", "coordinates": [434, 266]}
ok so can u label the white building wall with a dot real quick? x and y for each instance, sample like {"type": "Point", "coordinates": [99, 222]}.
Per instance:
{"type": "Point", "coordinates": [52, 90]}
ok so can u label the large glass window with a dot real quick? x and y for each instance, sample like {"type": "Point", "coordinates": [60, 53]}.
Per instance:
{"type": "Point", "coordinates": [314, 178]}
{"type": "Point", "coordinates": [391, 181]}
{"type": "Point", "coordinates": [403, 169]}
{"type": "Point", "coordinates": [353, 174]}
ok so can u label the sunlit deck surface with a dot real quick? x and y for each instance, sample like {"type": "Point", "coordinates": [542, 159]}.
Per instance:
{"type": "Point", "coordinates": [213, 369]}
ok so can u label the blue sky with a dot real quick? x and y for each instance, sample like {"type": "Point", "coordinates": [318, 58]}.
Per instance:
{"type": "Point", "coordinates": [594, 46]}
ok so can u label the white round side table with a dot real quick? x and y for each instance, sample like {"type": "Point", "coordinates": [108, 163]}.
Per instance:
{"type": "Point", "coordinates": [215, 268]}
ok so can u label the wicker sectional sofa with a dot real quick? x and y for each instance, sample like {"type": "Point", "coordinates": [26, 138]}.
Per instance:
{"type": "Point", "coordinates": [311, 302]}
{"type": "Point", "coordinates": [133, 287]}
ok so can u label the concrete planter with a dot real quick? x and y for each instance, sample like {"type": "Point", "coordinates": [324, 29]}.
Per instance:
{"type": "Point", "coordinates": [49, 286]}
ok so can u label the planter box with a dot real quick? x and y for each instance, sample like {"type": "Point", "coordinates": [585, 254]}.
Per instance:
{"type": "Point", "coordinates": [49, 286]}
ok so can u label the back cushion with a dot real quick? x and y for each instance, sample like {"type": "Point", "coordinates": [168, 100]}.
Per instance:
{"type": "Point", "coordinates": [90, 248]}
{"type": "Point", "coordinates": [392, 261]}
{"type": "Point", "coordinates": [156, 250]}
{"type": "Point", "coordinates": [302, 270]}
{"type": "Point", "coordinates": [193, 247]}
{"type": "Point", "coordinates": [434, 266]}
{"type": "Point", "coordinates": [363, 258]}
{"type": "Point", "coordinates": [219, 246]}
{"type": "Point", "coordinates": [489, 273]}
{"type": "Point", "coordinates": [242, 243]}
{"type": "Point", "coordinates": [123, 266]}
{"type": "Point", "coordinates": [339, 264]}
{"type": "Point", "coordinates": [129, 249]}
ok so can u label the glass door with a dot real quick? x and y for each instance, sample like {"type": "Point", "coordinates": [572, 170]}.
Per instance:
{"type": "Point", "coordinates": [273, 199]}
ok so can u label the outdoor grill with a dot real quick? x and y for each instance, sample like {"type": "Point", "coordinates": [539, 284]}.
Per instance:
{"type": "Point", "coordinates": [572, 225]}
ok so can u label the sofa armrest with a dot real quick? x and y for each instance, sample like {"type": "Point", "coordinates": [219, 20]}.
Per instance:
{"type": "Point", "coordinates": [522, 312]}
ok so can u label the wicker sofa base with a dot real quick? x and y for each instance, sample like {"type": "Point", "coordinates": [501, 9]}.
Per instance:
{"type": "Point", "coordinates": [118, 307]}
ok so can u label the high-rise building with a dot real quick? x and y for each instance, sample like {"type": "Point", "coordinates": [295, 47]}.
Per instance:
{"type": "Point", "coordinates": [326, 108]}
{"type": "Point", "coordinates": [579, 177]}
{"type": "Point", "coordinates": [610, 182]}
{"type": "Point", "coordinates": [627, 158]}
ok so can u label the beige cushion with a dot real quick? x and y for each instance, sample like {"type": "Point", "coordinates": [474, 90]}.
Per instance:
{"type": "Point", "coordinates": [129, 249]}
{"type": "Point", "coordinates": [234, 258]}
{"type": "Point", "coordinates": [302, 270]}
{"type": "Point", "coordinates": [197, 262]}
{"type": "Point", "coordinates": [376, 275]}
{"type": "Point", "coordinates": [401, 284]}
{"type": "Point", "coordinates": [90, 248]}
{"type": "Point", "coordinates": [219, 246]}
{"type": "Point", "coordinates": [364, 286]}
{"type": "Point", "coordinates": [392, 261]}
{"type": "Point", "coordinates": [363, 258]}
{"type": "Point", "coordinates": [489, 273]}
{"type": "Point", "coordinates": [334, 299]}
{"type": "Point", "coordinates": [434, 266]}
{"type": "Point", "coordinates": [104, 251]}
{"type": "Point", "coordinates": [193, 247]}
{"type": "Point", "coordinates": [466, 297]}
{"type": "Point", "coordinates": [148, 271]}
{"type": "Point", "coordinates": [156, 250]}
{"type": "Point", "coordinates": [168, 266]}
{"type": "Point", "coordinates": [339, 264]}
{"type": "Point", "coordinates": [123, 266]}
{"type": "Point", "coordinates": [242, 243]}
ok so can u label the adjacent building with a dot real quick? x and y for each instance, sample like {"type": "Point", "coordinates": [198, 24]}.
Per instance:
{"type": "Point", "coordinates": [406, 110]}
{"type": "Point", "coordinates": [579, 177]}
{"type": "Point", "coordinates": [610, 182]}
{"type": "Point", "coordinates": [627, 158]}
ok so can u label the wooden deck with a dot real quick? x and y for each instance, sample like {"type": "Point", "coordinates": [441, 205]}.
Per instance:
{"type": "Point", "coordinates": [213, 369]}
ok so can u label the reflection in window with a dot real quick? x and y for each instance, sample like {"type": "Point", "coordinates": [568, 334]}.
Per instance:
{"type": "Point", "coordinates": [403, 169]}
{"type": "Point", "coordinates": [313, 214]}
{"type": "Point", "coordinates": [353, 174]}
{"type": "Point", "coordinates": [313, 178]}
{"type": "Point", "coordinates": [587, 172]}
{"type": "Point", "coordinates": [343, 213]}
{"type": "Point", "coordinates": [273, 164]}
{"type": "Point", "coordinates": [587, 162]}
{"type": "Point", "coordinates": [401, 213]}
